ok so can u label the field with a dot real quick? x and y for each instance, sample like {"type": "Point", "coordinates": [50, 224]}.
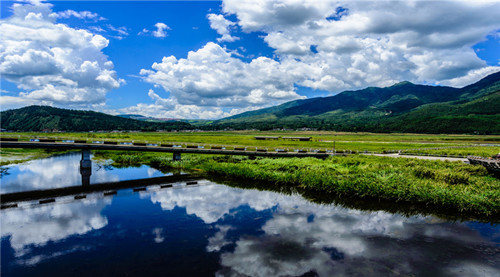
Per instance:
{"type": "Point", "coordinates": [338, 141]}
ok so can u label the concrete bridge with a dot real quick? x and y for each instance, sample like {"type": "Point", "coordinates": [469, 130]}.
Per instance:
{"type": "Point", "coordinates": [86, 163]}
{"type": "Point", "coordinates": [492, 165]}
{"type": "Point", "coordinates": [176, 150]}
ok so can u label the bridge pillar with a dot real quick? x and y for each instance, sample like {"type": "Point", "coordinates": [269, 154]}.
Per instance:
{"type": "Point", "coordinates": [85, 167]}
{"type": "Point", "coordinates": [177, 156]}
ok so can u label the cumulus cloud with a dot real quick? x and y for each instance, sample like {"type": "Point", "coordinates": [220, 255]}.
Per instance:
{"type": "Point", "coordinates": [161, 30]}
{"type": "Point", "coordinates": [211, 78]}
{"type": "Point", "coordinates": [53, 172]}
{"type": "Point", "coordinates": [53, 63]}
{"type": "Point", "coordinates": [362, 43]}
{"type": "Point", "coordinates": [222, 26]}
{"type": "Point", "coordinates": [330, 46]}
{"type": "Point", "coordinates": [301, 237]}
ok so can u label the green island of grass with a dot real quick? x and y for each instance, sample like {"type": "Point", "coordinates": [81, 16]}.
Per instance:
{"type": "Point", "coordinates": [451, 189]}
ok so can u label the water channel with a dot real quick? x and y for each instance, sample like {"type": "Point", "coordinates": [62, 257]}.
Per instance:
{"type": "Point", "coordinates": [211, 229]}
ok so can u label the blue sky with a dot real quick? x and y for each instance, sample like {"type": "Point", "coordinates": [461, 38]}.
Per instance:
{"type": "Point", "coordinates": [212, 59]}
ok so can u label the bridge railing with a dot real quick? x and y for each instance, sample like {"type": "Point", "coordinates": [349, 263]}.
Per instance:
{"type": "Point", "coordinates": [156, 143]}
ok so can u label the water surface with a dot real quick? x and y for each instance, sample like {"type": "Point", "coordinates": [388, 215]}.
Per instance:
{"type": "Point", "coordinates": [63, 171]}
{"type": "Point", "coordinates": [211, 229]}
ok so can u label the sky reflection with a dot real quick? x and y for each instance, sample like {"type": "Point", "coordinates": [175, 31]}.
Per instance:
{"type": "Point", "coordinates": [62, 171]}
{"type": "Point", "coordinates": [214, 229]}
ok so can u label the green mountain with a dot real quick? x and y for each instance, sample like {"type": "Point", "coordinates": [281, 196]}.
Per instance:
{"type": "Point", "coordinates": [40, 118]}
{"type": "Point", "coordinates": [403, 107]}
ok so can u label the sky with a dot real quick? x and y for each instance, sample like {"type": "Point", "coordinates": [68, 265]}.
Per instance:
{"type": "Point", "coordinates": [213, 59]}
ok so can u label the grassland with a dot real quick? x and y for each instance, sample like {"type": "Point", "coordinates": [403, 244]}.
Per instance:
{"type": "Point", "coordinates": [484, 151]}
{"type": "Point", "coordinates": [356, 142]}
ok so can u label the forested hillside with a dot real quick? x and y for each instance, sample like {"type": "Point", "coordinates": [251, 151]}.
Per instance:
{"type": "Point", "coordinates": [40, 118]}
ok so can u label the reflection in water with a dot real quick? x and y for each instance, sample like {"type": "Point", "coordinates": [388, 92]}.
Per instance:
{"type": "Point", "coordinates": [214, 229]}
{"type": "Point", "coordinates": [328, 240]}
{"type": "Point", "coordinates": [33, 228]}
{"type": "Point", "coordinates": [64, 170]}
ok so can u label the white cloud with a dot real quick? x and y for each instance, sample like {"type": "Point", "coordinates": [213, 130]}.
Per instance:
{"type": "Point", "coordinates": [159, 237]}
{"type": "Point", "coordinates": [97, 29]}
{"type": "Point", "coordinates": [471, 77]}
{"type": "Point", "coordinates": [42, 224]}
{"type": "Point", "coordinates": [161, 30]}
{"type": "Point", "coordinates": [211, 78]}
{"type": "Point", "coordinates": [222, 26]}
{"type": "Point", "coordinates": [331, 46]}
{"type": "Point", "coordinates": [53, 63]}
{"type": "Point", "coordinates": [79, 15]}
{"type": "Point", "coordinates": [52, 172]}
{"type": "Point", "coordinates": [373, 43]}
{"type": "Point", "coordinates": [299, 236]}
{"type": "Point", "coordinates": [120, 32]}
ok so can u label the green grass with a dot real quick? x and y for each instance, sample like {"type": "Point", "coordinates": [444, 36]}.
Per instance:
{"type": "Point", "coordinates": [357, 142]}
{"type": "Point", "coordinates": [466, 151]}
{"type": "Point", "coordinates": [17, 155]}
{"type": "Point", "coordinates": [443, 187]}
{"type": "Point", "coordinates": [464, 188]}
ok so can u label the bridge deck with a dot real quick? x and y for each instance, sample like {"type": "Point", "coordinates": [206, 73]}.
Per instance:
{"type": "Point", "coordinates": [490, 164]}
{"type": "Point", "coordinates": [166, 149]}
{"type": "Point", "coordinates": [100, 187]}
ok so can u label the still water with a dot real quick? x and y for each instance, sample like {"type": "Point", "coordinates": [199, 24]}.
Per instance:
{"type": "Point", "coordinates": [212, 229]}
{"type": "Point", "coordinates": [62, 171]}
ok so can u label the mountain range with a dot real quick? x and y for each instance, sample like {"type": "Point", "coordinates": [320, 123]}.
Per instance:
{"type": "Point", "coordinates": [402, 107]}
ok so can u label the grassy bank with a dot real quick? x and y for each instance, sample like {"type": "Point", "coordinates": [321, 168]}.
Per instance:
{"type": "Point", "coordinates": [447, 187]}
{"type": "Point", "coordinates": [18, 155]}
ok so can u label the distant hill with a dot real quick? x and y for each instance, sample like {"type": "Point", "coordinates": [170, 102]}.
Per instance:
{"type": "Point", "coordinates": [403, 107]}
{"type": "Point", "coordinates": [147, 118]}
{"type": "Point", "coordinates": [40, 118]}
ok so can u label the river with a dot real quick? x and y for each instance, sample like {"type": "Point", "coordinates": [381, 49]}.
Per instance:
{"type": "Point", "coordinates": [212, 229]}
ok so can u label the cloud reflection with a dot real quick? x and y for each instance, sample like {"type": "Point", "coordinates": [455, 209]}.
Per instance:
{"type": "Point", "coordinates": [212, 202]}
{"type": "Point", "coordinates": [53, 172]}
{"type": "Point", "coordinates": [303, 237]}
{"type": "Point", "coordinates": [35, 227]}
